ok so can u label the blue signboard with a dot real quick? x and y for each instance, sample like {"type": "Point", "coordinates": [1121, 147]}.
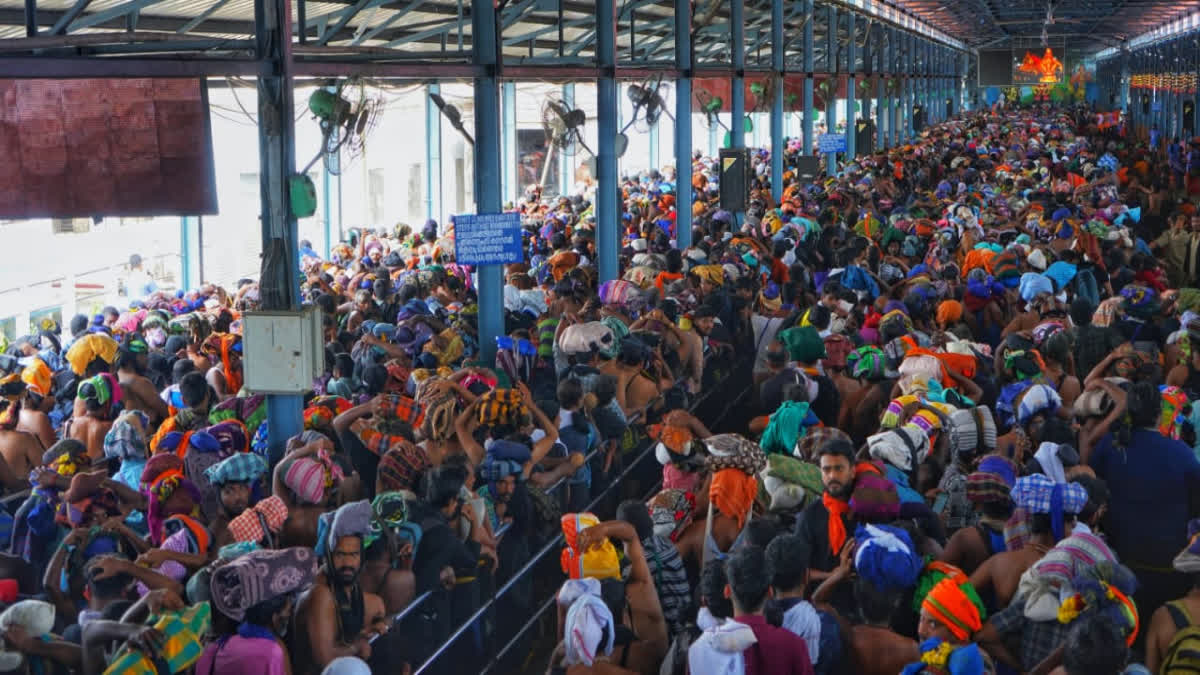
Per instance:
{"type": "Point", "coordinates": [832, 142]}
{"type": "Point", "coordinates": [488, 239]}
{"type": "Point", "coordinates": [1156, 107]}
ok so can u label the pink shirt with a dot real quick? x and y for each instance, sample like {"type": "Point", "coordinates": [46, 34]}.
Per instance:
{"type": "Point", "coordinates": [242, 656]}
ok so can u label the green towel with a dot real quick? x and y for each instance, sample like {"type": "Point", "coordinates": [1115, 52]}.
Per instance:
{"type": "Point", "coordinates": [785, 427]}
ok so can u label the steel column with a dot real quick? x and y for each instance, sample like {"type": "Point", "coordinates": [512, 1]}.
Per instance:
{"type": "Point", "coordinates": [893, 96]}
{"type": "Point", "coordinates": [190, 253]}
{"type": "Point", "coordinates": [737, 95]}
{"type": "Point", "coordinates": [280, 278]}
{"type": "Point", "coordinates": [566, 168]}
{"type": "Point", "coordinates": [683, 125]}
{"type": "Point", "coordinates": [1124, 85]}
{"type": "Point", "coordinates": [608, 212]}
{"type": "Point", "coordinates": [509, 188]}
{"type": "Point", "coordinates": [327, 205]}
{"type": "Point", "coordinates": [777, 54]}
{"type": "Point", "coordinates": [806, 130]}
{"type": "Point", "coordinates": [488, 191]}
{"type": "Point", "coordinates": [831, 65]}
{"type": "Point", "coordinates": [851, 57]}
{"type": "Point", "coordinates": [910, 66]}
{"type": "Point", "coordinates": [433, 155]}
{"type": "Point", "coordinates": [881, 115]}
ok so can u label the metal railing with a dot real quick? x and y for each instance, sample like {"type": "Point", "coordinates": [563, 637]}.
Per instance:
{"type": "Point", "coordinates": [553, 545]}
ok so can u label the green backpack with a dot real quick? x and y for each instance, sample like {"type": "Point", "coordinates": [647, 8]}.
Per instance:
{"type": "Point", "coordinates": [1183, 653]}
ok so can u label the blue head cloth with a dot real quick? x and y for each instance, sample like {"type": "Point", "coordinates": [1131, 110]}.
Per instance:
{"type": "Point", "coordinates": [885, 557]}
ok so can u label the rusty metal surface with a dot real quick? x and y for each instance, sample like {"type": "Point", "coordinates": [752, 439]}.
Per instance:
{"type": "Point", "coordinates": [78, 148]}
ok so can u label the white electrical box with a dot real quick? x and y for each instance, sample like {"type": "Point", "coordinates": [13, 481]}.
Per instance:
{"type": "Point", "coordinates": [283, 352]}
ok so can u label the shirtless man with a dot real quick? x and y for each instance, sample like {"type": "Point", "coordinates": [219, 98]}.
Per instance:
{"type": "Point", "coordinates": [35, 419]}
{"type": "Point", "coordinates": [97, 397]}
{"type": "Point", "coordinates": [1002, 572]}
{"type": "Point", "coordinates": [644, 613]}
{"type": "Point", "coordinates": [303, 511]}
{"type": "Point", "coordinates": [875, 649]}
{"type": "Point", "coordinates": [138, 391]}
{"type": "Point", "coordinates": [337, 617]}
{"type": "Point", "coordinates": [22, 451]}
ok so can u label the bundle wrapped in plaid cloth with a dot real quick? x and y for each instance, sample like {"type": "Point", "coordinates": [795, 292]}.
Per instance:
{"type": "Point", "coordinates": [502, 407]}
{"type": "Point", "coordinates": [183, 632]}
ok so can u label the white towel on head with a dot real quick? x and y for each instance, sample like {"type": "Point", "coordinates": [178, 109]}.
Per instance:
{"type": "Point", "coordinates": [804, 621]}
{"type": "Point", "coordinates": [1052, 466]}
{"type": "Point", "coordinates": [584, 628]}
{"type": "Point", "coordinates": [718, 650]}
{"type": "Point", "coordinates": [573, 588]}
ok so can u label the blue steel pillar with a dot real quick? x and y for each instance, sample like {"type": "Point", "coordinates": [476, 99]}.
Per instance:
{"type": "Point", "coordinates": [777, 49]}
{"type": "Point", "coordinates": [806, 130]}
{"type": "Point", "coordinates": [893, 61]}
{"type": "Point", "coordinates": [1124, 85]}
{"type": "Point", "coordinates": [509, 188]}
{"type": "Point", "coordinates": [881, 67]}
{"type": "Point", "coordinates": [737, 94]}
{"type": "Point", "coordinates": [851, 56]}
{"type": "Point", "coordinates": [654, 148]}
{"type": "Point", "coordinates": [433, 156]}
{"type": "Point", "coordinates": [831, 65]}
{"type": "Point", "coordinates": [566, 168]}
{"type": "Point", "coordinates": [910, 65]}
{"type": "Point", "coordinates": [608, 214]}
{"type": "Point", "coordinates": [280, 276]}
{"type": "Point", "coordinates": [683, 125]}
{"type": "Point", "coordinates": [190, 275]}
{"type": "Point", "coordinates": [488, 195]}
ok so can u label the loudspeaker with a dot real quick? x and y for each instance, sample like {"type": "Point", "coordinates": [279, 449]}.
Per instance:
{"type": "Point", "coordinates": [949, 107]}
{"type": "Point", "coordinates": [1145, 104]}
{"type": "Point", "coordinates": [1189, 117]}
{"type": "Point", "coordinates": [918, 118]}
{"type": "Point", "coordinates": [735, 179]}
{"type": "Point", "coordinates": [864, 137]}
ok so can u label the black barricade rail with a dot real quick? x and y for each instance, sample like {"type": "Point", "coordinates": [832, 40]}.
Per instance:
{"type": "Point", "coordinates": [716, 396]}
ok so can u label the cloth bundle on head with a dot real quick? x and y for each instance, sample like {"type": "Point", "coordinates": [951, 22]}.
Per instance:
{"type": "Point", "coordinates": [1188, 560]}
{"type": "Point", "coordinates": [320, 412]}
{"type": "Point", "coordinates": [350, 520]}
{"type": "Point", "coordinates": [35, 616]}
{"type": "Point", "coordinates": [732, 492]}
{"type": "Point", "coordinates": [583, 338]}
{"type": "Point", "coordinates": [243, 467]}
{"type": "Point", "coordinates": [600, 562]}
{"type": "Point", "coordinates": [917, 372]}
{"type": "Point", "coordinates": [38, 377]}
{"type": "Point", "coordinates": [721, 647]}
{"type": "Point", "coordinates": [970, 431]}
{"type": "Point", "coordinates": [803, 344]}
{"type": "Point", "coordinates": [1032, 285]}
{"type": "Point", "coordinates": [788, 481]}
{"type": "Point", "coordinates": [904, 448]}
{"type": "Point", "coordinates": [256, 522]}
{"type": "Point", "coordinates": [1105, 589]}
{"type": "Point", "coordinates": [992, 483]}
{"type": "Point", "coordinates": [502, 407]}
{"type": "Point", "coordinates": [310, 476]}
{"type": "Point", "coordinates": [401, 466]}
{"type": "Point", "coordinates": [734, 451]}
{"type": "Point", "coordinates": [674, 443]}
{"type": "Point", "coordinates": [102, 392]}
{"type": "Point", "coordinates": [1037, 399]}
{"type": "Point", "coordinates": [1050, 578]}
{"type": "Point", "coordinates": [884, 557]}
{"type": "Point", "coordinates": [934, 573]}
{"type": "Point", "coordinates": [1037, 493]}
{"type": "Point", "coordinates": [671, 512]}
{"type": "Point", "coordinates": [260, 576]}
{"type": "Point", "coordinates": [949, 604]}
{"type": "Point", "coordinates": [867, 363]}
{"type": "Point", "coordinates": [786, 426]}
{"type": "Point", "coordinates": [1171, 419]}
{"type": "Point", "coordinates": [88, 348]}
{"type": "Point", "coordinates": [713, 274]}
{"type": "Point", "coordinates": [183, 632]}
{"type": "Point", "coordinates": [1139, 301]}
{"type": "Point", "coordinates": [588, 629]}
{"type": "Point", "coordinates": [949, 312]}
{"type": "Point", "coordinates": [86, 494]}
{"type": "Point", "coordinates": [126, 439]}
{"type": "Point", "coordinates": [874, 499]}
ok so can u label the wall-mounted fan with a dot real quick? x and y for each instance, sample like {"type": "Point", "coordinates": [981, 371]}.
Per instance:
{"type": "Point", "coordinates": [710, 107]}
{"type": "Point", "coordinates": [453, 116]}
{"type": "Point", "coordinates": [563, 126]}
{"type": "Point", "coordinates": [648, 108]}
{"type": "Point", "coordinates": [346, 116]}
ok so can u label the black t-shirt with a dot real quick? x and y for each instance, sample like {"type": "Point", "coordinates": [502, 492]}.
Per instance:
{"type": "Point", "coordinates": [771, 390]}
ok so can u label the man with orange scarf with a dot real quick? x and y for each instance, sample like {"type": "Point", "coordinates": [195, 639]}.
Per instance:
{"type": "Point", "coordinates": [825, 525]}
{"type": "Point", "coordinates": [226, 379]}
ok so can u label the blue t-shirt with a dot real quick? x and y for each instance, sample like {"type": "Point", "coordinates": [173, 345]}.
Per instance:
{"type": "Point", "coordinates": [1148, 506]}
